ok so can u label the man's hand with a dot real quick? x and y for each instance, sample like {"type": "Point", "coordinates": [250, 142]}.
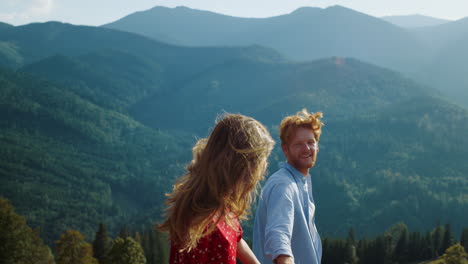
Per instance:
{"type": "Point", "coordinates": [284, 259]}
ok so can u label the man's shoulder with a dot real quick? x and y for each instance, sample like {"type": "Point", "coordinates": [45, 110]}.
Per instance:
{"type": "Point", "coordinates": [281, 178]}
{"type": "Point", "coordinates": [281, 175]}
{"type": "Point", "coordinates": [280, 185]}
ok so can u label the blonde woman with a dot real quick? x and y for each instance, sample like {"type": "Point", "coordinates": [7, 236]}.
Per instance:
{"type": "Point", "coordinates": [207, 202]}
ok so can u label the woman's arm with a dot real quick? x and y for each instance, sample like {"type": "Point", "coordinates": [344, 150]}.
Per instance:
{"type": "Point", "coordinates": [245, 254]}
{"type": "Point", "coordinates": [283, 259]}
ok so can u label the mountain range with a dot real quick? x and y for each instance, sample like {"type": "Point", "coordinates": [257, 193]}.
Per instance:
{"type": "Point", "coordinates": [424, 54]}
{"type": "Point", "coordinates": [97, 123]}
{"type": "Point", "coordinates": [415, 21]}
{"type": "Point", "coordinates": [305, 34]}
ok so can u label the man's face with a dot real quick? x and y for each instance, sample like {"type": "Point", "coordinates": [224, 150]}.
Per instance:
{"type": "Point", "coordinates": [301, 152]}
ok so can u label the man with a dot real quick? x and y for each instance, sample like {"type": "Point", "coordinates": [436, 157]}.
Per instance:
{"type": "Point", "coordinates": [284, 229]}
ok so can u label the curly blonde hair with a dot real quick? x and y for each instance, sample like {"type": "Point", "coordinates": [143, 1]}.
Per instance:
{"type": "Point", "coordinates": [302, 119]}
{"type": "Point", "coordinates": [220, 183]}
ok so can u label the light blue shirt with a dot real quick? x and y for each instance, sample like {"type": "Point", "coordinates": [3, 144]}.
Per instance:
{"type": "Point", "coordinates": [285, 219]}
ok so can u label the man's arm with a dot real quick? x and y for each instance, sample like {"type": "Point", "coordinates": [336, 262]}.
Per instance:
{"type": "Point", "coordinates": [245, 254]}
{"type": "Point", "coordinates": [279, 222]}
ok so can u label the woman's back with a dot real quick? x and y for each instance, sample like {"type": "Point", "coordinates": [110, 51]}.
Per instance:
{"type": "Point", "coordinates": [220, 246]}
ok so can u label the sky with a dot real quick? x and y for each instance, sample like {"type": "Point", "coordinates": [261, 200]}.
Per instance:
{"type": "Point", "coordinates": [99, 12]}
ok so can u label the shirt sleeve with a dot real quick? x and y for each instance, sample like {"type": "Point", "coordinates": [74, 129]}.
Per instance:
{"type": "Point", "coordinates": [279, 221]}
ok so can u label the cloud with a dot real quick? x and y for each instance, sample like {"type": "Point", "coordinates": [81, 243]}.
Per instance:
{"type": "Point", "coordinates": [23, 11]}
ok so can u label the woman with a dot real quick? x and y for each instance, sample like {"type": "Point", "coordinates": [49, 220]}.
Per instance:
{"type": "Point", "coordinates": [216, 192]}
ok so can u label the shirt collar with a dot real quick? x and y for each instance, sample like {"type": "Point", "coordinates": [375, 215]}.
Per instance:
{"type": "Point", "coordinates": [296, 174]}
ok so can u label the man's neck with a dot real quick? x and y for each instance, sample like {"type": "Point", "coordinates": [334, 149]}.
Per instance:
{"type": "Point", "coordinates": [305, 173]}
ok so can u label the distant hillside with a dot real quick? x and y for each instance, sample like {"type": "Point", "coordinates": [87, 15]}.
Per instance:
{"type": "Point", "coordinates": [188, 26]}
{"type": "Point", "coordinates": [448, 48]}
{"type": "Point", "coordinates": [305, 34]}
{"type": "Point", "coordinates": [449, 69]}
{"type": "Point", "coordinates": [4, 25]}
{"type": "Point", "coordinates": [100, 65]}
{"type": "Point", "coordinates": [313, 33]}
{"type": "Point", "coordinates": [414, 21]}
{"type": "Point", "coordinates": [438, 37]}
{"type": "Point", "coordinates": [112, 79]}
{"type": "Point", "coordinates": [397, 164]}
{"type": "Point", "coordinates": [338, 86]}
{"type": "Point", "coordinates": [67, 163]}
{"type": "Point", "coordinates": [10, 55]}
{"type": "Point", "coordinates": [41, 40]}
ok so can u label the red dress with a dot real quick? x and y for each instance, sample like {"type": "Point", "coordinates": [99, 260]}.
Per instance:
{"type": "Point", "coordinates": [219, 247]}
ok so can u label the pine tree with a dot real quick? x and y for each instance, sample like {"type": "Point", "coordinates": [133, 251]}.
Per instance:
{"type": "Point", "coordinates": [325, 250]}
{"type": "Point", "coordinates": [351, 255]}
{"type": "Point", "coordinates": [101, 244]}
{"type": "Point", "coordinates": [464, 239]}
{"type": "Point", "coordinates": [351, 239]}
{"type": "Point", "coordinates": [153, 245]}
{"type": "Point", "coordinates": [163, 245]}
{"type": "Point", "coordinates": [124, 233]}
{"type": "Point", "coordinates": [400, 254]}
{"type": "Point", "coordinates": [427, 247]}
{"type": "Point", "coordinates": [415, 247]}
{"type": "Point", "coordinates": [447, 240]}
{"type": "Point", "coordinates": [126, 250]}
{"type": "Point", "coordinates": [437, 236]}
{"type": "Point", "coordinates": [145, 244]}
{"type": "Point", "coordinates": [334, 251]}
{"type": "Point", "coordinates": [20, 244]}
{"type": "Point", "coordinates": [383, 249]}
{"type": "Point", "coordinates": [73, 249]}
{"type": "Point", "coordinates": [138, 238]}
{"type": "Point", "coordinates": [363, 251]}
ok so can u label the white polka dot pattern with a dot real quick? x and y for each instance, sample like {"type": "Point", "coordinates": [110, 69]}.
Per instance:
{"type": "Point", "coordinates": [220, 247]}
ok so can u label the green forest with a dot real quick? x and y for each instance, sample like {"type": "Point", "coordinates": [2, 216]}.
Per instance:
{"type": "Point", "coordinates": [69, 163]}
